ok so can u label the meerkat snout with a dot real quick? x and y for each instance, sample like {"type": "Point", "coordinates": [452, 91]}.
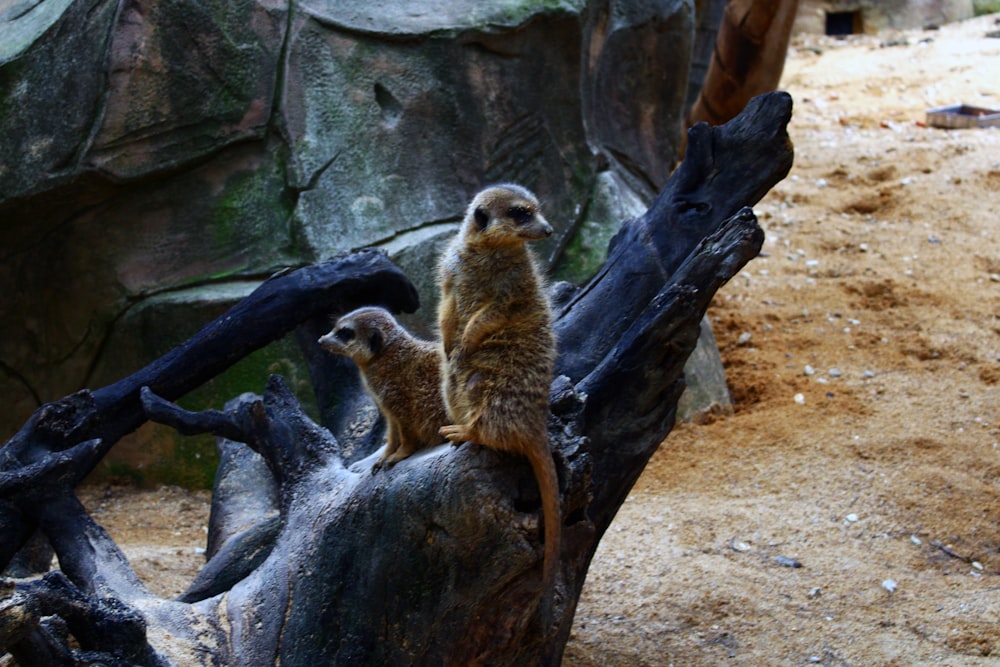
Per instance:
{"type": "Point", "coordinates": [336, 340]}
{"type": "Point", "coordinates": [538, 225]}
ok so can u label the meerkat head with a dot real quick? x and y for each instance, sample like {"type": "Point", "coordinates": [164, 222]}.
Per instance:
{"type": "Point", "coordinates": [360, 334]}
{"type": "Point", "coordinates": [505, 214]}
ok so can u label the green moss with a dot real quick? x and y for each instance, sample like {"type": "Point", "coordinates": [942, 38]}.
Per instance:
{"type": "Point", "coordinates": [251, 374]}
{"type": "Point", "coordinates": [252, 207]}
{"type": "Point", "coordinates": [189, 462]}
{"type": "Point", "coordinates": [981, 7]}
{"type": "Point", "coordinates": [193, 466]}
{"type": "Point", "coordinates": [584, 254]}
{"type": "Point", "coordinates": [122, 472]}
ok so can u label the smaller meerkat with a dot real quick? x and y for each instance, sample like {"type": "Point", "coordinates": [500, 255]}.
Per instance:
{"type": "Point", "coordinates": [498, 345]}
{"type": "Point", "coordinates": [400, 372]}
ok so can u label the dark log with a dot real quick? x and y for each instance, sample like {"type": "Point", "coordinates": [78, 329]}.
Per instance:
{"type": "Point", "coordinates": [436, 560]}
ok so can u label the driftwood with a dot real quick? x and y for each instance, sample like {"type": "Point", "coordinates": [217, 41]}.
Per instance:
{"type": "Point", "coordinates": [314, 560]}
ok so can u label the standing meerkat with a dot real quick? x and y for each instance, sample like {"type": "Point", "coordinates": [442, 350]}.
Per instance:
{"type": "Point", "coordinates": [498, 344]}
{"type": "Point", "coordinates": [400, 372]}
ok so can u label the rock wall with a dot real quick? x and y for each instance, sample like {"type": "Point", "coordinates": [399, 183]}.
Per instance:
{"type": "Point", "coordinates": [872, 16]}
{"type": "Point", "coordinates": [159, 158]}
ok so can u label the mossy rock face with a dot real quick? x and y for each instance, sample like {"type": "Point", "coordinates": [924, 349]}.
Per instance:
{"type": "Point", "coordinates": [228, 141]}
{"type": "Point", "coordinates": [612, 202]}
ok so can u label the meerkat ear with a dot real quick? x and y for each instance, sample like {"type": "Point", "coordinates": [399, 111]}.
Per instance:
{"type": "Point", "coordinates": [375, 341]}
{"type": "Point", "coordinates": [482, 218]}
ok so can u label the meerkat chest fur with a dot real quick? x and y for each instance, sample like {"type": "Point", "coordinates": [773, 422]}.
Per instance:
{"type": "Point", "coordinates": [501, 283]}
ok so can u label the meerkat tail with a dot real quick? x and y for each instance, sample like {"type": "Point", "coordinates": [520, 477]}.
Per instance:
{"type": "Point", "coordinates": [544, 468]}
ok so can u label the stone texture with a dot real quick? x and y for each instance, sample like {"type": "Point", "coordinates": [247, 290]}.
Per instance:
{"type": "Point", "coordinates": [639, 56]}
{"type": "Point", "coordinates": [429, 122]}
{"type": "Point", "coordinates": [876, 15]}
{"type": "Point", "coordinates": [159, 158]}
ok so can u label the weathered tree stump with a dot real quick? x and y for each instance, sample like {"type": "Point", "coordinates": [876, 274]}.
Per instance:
{"type": "Point", "coordinates": [434, 561]}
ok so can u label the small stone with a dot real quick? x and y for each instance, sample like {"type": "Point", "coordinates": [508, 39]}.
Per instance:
{"type": "Point", "coordinates": [809, 370]}
{"type": "Point", "coordinates": [787, 562]}
{"type": "Point", "coordinates": [890, 585]}
{"type": "Point", "coordinates": [976, 564]}
{"type": "Point", "coordinates": [916, 540]}
{"type": "Point", "coordinates": [851, 518]}
{"type": "Point", "coordinates": [815, 592]}
{"type": "Point", "coordinates": [800, 399]}
{"type": "Point", "coordinates": [835, 372]}
{"type": "Point", "coordinates": [744, 338]}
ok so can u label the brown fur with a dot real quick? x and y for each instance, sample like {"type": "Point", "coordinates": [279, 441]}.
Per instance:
{"type": "Point", "coordinates": [498, 345]}
{"type": "Point", "coordinates": [400, 372]}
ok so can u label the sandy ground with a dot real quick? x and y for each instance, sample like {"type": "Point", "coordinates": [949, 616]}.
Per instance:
{"type": "Point", "coordinates": [847, 512]}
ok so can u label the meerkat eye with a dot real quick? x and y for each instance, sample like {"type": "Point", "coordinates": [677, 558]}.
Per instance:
{"type": "Point", "coordinates": [375, 341]}
{"type": "Point", "coordinates": [482, 218]}
{"type": "Point", "coordinates": [344, 334]}
{"type": "Point", "coordinates": [520, 215]}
